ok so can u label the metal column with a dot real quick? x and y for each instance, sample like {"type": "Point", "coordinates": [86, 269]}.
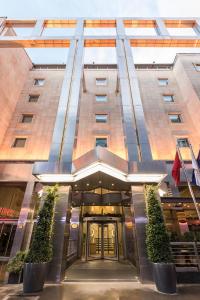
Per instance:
{"type": "Point", "coordinates": [138, 146]}
{"type": "Point", "coordinates": [61, 151]}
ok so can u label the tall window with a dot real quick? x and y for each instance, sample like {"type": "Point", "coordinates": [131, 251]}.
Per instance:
{"type": "Point", "coordinates": [19, 142]}
{"type": "Point", "coordinates": [183, 142]}
{"type": "Point", "coordinates": [168, 98]}
{"type": "Point", "coordinates": [101, 98]}
{"type": "Point", "coordinates": [39, 82]}
{"type": "Point", "coordinates": [175, 118]}
{"type": "Point", "coordinates": [33, 98]}
{"type": "Point", "coordinates": [163, 81]}
{"type": "Point", "coordinates": [27, 118]}
{"type": "Point", "coordinates": [101, 118]}
{"type": "Point", "coordinates": [101, 81]}
{"type": "Point", "coordinates": [101, 142]}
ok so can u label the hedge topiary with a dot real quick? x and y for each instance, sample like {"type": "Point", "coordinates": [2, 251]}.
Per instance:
{"type": "Point", "coordinates": [157, 239]}
{"type": "Point", "coordinates": [41, 246]}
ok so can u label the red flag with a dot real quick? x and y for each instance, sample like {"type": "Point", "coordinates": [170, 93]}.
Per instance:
{"type": "Point", "coordinates": [176, 169]}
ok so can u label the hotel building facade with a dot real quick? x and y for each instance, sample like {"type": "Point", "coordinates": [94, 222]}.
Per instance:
{"type": "Point", "coordinates": [101, 131]}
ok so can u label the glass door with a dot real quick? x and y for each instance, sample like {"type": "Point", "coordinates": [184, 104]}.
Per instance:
{"type": "Point", "coordinates": [102, 241]}
{"type": "Point", "coordinates": [110, 241]}
{"type": "Point", "coordinates": [94, 241]}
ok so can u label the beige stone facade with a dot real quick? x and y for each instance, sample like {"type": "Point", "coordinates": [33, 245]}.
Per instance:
{"type": "Point", "coordinates": [183, 84]}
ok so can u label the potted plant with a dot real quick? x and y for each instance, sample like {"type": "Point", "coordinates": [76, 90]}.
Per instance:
{"type": "Point", "coordinates": [15, 267]}
{"type": "Point", "coordinates": [40, 252]}
{"type": "Point", "coordinates": [158, 245]}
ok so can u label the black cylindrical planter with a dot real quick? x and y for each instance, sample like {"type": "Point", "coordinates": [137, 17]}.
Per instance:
{"type": "Point", "coordinates": [34, 277]}
{"type": "Point", "coordinates": [165, 277]}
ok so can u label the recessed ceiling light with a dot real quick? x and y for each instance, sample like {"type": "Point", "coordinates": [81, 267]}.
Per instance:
{"type": "Point", "coordinates": [87, 184]}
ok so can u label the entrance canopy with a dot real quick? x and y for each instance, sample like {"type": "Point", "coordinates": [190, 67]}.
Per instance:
{"type": "Point", "coordinates": [100, 163]}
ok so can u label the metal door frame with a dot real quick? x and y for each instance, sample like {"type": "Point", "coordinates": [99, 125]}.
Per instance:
{"type": "Point", "coordinates": [102, 222]}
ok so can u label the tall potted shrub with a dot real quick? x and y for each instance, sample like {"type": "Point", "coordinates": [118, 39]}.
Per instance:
{"type": "Point", "coordinates": [158, 245]}
{"type": "Point", "coordinates": [40, 252]}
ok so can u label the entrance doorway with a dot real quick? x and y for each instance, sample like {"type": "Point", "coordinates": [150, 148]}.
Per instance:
{"type": "Point", "coordinates": [102, 240]}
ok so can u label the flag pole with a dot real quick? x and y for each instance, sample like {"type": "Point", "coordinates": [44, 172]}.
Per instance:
{"type": "Point", "coordinates": [188, 182]}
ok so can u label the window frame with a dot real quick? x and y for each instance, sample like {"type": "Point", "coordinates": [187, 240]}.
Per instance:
{"type": "Point", "coordinates": [101, 121]}
{"type": "Point", "coordinates": [183, 139]}
{"type": "Point", "coordinates": [38, 85]}
{"type": "Point", "coordinates": [197, 67]}
{"type": "Point", "coordinates": [99, 79]}
{"type": "Point", "coordinates": [101, 137]}
{"type": "Point", "coordinates": [14, 144]}
{"type": "Point", "coordinates": [33, 95]}
{"type": "Point", "coordinates": [168, 95]}
{"type": "Point", "coordinates": [101, 95]}
{"type": "Point", "coordinates": [180, 120]}
{"type": "Point", "coordinates": [26, 115]}
{"type": "Point", "coordinates": [163, 79]}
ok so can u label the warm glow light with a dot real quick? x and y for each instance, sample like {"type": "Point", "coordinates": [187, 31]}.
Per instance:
{"type": "Point", "coordinates": [145, 177]}
{"type": "Point", "coordinates": [104, 168]}
{"type": "Point", "coordinates": [55, 177]}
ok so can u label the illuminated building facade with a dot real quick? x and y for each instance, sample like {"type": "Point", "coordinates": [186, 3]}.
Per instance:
{"type": "Point", "coordinates": [101, 132]}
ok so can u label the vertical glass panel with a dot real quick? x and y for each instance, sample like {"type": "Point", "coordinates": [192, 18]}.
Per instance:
{"type": "Point", "coordinates": [109, 240]}
{"type": "Point", "coordinates": [95, 242]}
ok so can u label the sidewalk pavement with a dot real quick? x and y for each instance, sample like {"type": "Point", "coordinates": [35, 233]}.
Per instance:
{"type": "Point", "coordinates": [100, 291]}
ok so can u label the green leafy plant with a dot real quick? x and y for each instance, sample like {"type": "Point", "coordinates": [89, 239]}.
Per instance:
{"type": "Point", "coordinates": [188, 237]}
{"type": "Point", "coordinates": [16, 264]}
{"type": "Point", "coordinates": [41, 246]}
{"type": "Point", "coordinates": [174, 237]}
{"type": "Point", "coordinates": [157, 240]}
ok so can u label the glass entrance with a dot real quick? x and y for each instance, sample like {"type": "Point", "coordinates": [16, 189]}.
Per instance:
{"type": "Point", "coordinates": [102, 241]}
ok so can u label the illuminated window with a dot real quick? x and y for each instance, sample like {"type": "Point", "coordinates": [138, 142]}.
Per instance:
{"type": "Point", "coordinates": [27, 118]}
{"type": "Point", "coordinates": [33, 98]}
{"type": "Point", "coordinates": [175, 118]}
{"type": "Point", "coordinates": [101, 81]}
{"type": "Point", "coordinates": [101, 118]}
{"type": "Point", "coordinates": [163, 81]}
{"type": "Point", "coordinates": [183, 142]}
{"type": "Point", "coordinates": [168, 98]}
{"type": "Point", "coordinates": [39, 82]}
{"type": "Point", "coordinates": [101, 98]}
{"type": "Point", "coordinates": [101, 142]}
{"type": "Point", "coordinates": [19, 143]}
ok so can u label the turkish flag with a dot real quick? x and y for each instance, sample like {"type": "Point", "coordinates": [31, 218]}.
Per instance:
{"type": "Point", "coordinates": [176, 169]}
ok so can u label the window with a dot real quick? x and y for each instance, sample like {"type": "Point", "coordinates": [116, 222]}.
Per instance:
{"type": "Point", "coordinates": [183, 142]}
{"type": "Point", "coordinates": [175, 118]}
{"type": "Point", "coordinates": [27, 118]}
{"type": "Point", "coordinates": [39, 82]}
{"type": "Point", "coordinates": [101, 118]}
{"type": "Point", "coordinates": [19, 143]}
{"type": "Point", "coordinates": [168, 98]}
{"type": "Point", "coordinates": [163, 81]}
{"type": "Point", "coordinates": [101, 142]}
{"type": "Point", "coordinates": [101, 98]}
{"type": "Point", "coordinates": [33, 98]}
{"type": "Point", "coordinates": [197, 67]}
{"type": "Point", "coordinates": [101, 81]}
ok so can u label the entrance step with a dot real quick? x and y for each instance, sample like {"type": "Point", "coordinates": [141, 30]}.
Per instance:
{"type": "Point", "coordinates": [101, 270]}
